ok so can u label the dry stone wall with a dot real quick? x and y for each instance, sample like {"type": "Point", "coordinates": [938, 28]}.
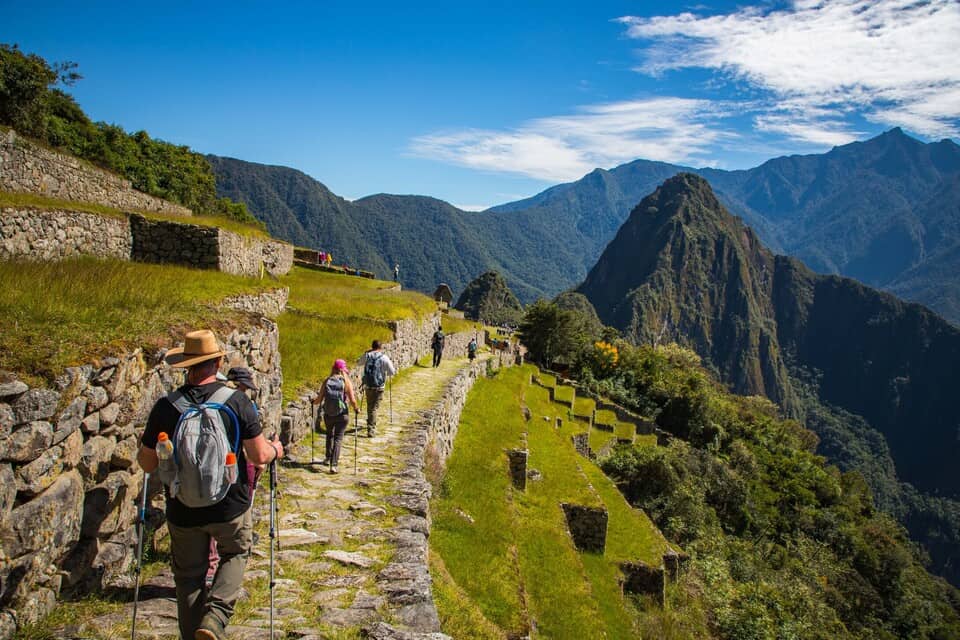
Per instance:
{"type": "Point", "coordinates": [69, 483]}
{"type": "Point", "coordinates": [54, 235]}
{"type": "Point", "coordinates": [29, 167]}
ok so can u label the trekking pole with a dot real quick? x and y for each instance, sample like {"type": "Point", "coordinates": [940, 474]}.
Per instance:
{"type": "Point", "coordinates": [143, 523]}
{"type": "Point", "coordinates": [356, 438]}
{"type": "Point", "coordinates": [273, 533]}
{"type": "Point", "coordinates": [390, 393]}
{"type": "Point", "coordinates": [313, 429]}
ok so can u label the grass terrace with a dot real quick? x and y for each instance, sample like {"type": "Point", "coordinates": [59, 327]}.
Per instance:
{"type": "Point", "coordinates": [504, 561]}
{"type": "Point", "coordinates": [59, 314]}
{"type": "Point", "coordinates": [43, 203]}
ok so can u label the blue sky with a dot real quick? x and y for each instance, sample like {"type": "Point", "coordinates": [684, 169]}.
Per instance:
{"type": "Point", "coordinates": [483, 103]}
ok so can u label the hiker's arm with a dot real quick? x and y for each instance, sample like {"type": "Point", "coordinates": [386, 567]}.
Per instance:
{"type": "Point", "coordinates": [259, 450]}
{"type": "Point", "coordinates": [391, 369]}
{"type": "Point", "coordinates": [147, 459]}
{"type": "Point", "coordinates": [351, 396]}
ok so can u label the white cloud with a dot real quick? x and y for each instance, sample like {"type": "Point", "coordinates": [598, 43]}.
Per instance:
{"type": "Point", "coordinates": [562, 148]}
{"type": "Point", "coordinates": [894, 61]}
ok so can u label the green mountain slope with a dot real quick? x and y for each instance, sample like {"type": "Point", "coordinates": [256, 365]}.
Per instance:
{"type": "Point", "coordinates": [488, 298]}
{"type": "Point", "coordinates": [683, 269]}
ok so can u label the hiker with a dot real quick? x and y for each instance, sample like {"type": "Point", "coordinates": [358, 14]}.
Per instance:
{"type": "Point", "coordinates": [472, 349]}
{"type": "Point", "coordinates": [376, 367]}
{"type": "Point", "coordinates": [242, 378]}
{"type": "Point", "coordinates": [396, 272]}
{"type": "Point", "coordinates": [209, 505]}
{"type": "Point", "coordinates": [437, 345]}
{"type": "Point", "coordinates": [336, 395]}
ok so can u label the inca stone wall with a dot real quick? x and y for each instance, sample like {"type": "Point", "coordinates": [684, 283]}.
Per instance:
{"type": "Point", "coordinates": [28, 167]}
{"type": "Point", "coordinates": [54, 235]}
{"type": "Point", "coordinates": [69, 483]}
{"type": "Point", "coordinates": [587, 525]}
{"type": "Point", "coordinates": [204, 247]}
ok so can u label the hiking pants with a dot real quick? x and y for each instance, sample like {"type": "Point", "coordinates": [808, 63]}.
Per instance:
{"type": "Point", "coordinates": [336, 426]}
{"type": "Point", "coordinates": [190, 557]}
{"type": "Point", "coordinates": [437, 353]}
{"type": "Point", "coordinates": [373, 403]}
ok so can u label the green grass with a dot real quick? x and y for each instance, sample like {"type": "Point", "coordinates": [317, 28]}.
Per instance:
{"type": "Point", "coordinates": [600, 438]}
{"type": "Point", "coordinates": [605, 416]}
{"type": "Point", "coordinates": [452, 324]}
{"type": "Point", "coordinates": [566, 593]}
{"type": "Point", "coordinates": [646, 440]}
{"type": "Point", "coordinates": [564, 393]}
{"type": "Point", "coordinates": [43, 203]}
{"type": "Point", "coordinates": [584, 406]}
{"type": "Point", "coordinates": [309, 345]}
{"type": "Point", "coordinates": [65, 313]}
{"type": "Point", "coordinates": [479, 555]}
{"type": "Point", "coordinates": [334, 295]}
{"type": "Point", "coordinates": [625, 430]}
{"type": "Point", "coordinates": [456, 609]}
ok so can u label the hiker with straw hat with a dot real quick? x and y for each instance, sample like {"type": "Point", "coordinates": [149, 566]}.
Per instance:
{"type": "Point", "coordinates": [336, 397]}
{"type": "Point", "coordinates": [202, 419]}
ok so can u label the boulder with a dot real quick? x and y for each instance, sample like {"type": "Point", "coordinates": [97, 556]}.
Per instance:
{"type": "Point", "coordinates": [8, 491]}
{"type": "Point", "coordinates": [97, 397]}
{"type": "Point", "coordinates": [27, 442]}
{"type": "Point", "coordinates": [12, 388]}
{"type": "Point", "coordinates": [108, 414]}
{"type": "Point", "coordinates": [35, 477]}
{"type": "Point", "coordinates": [7, 419]}
{"type": "Point", "coordinates": [91, 424]}
{"type": "Point", "coordinates": [111, 505]}
{"type": "Point", "coordinates": [125, 453]}
{"type": "Point", "coordinates": [95, 459]}
{"type": "Point", "coordinates": [35, 404]}
{"type": "Point", "coordinates": [72, 450]}
{"type": "Point", "coordinates": [69, 421]}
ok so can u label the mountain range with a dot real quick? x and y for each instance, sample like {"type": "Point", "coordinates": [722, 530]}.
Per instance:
{"type": "Point", "coordinates": [871, 374]}
{"type": "Point", "coordinates": [885, 211]}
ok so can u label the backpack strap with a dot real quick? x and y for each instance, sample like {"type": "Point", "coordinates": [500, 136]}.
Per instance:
{"type": "Point", "coordinates": [218, 400]}
{"type": "Point", "coordinates": [179, 401]}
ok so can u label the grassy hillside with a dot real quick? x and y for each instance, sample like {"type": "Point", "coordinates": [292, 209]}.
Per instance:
{"type": "Point", "coordinates": [507, 554]}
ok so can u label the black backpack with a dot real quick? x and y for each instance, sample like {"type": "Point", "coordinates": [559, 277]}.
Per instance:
{"type": "Point", "coordinates": [334, 396]}
{"type": "Point", "coordinates": [438, 339]}
{"type": "Point", "coordinates": [373, 377]}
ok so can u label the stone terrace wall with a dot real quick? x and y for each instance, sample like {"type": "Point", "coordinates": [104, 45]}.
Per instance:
{"type": "Point", "coordinates": [69, 484]}
{"type": "Point", "coordinates": [53, 235]}
{"type": "Point", "coordinates": [28, 167]}
{"type": "Point", "coordinates": [206, 248]}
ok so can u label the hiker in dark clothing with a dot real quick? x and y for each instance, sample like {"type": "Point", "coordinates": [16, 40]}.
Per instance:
{"type": "Point", "coordinates": [472, 349]}
{"type": "Point", "coordinates": [203, 613]}
{"type": "Point", "coordinates": [337, 397]}
{"type": "Point", "coordinates": [437, 345]}
{"type": "Point", "coordinates": [376, 367]}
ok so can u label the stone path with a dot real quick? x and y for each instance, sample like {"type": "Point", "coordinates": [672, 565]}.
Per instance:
{"type": "Point", "coordinates": [353, 546]}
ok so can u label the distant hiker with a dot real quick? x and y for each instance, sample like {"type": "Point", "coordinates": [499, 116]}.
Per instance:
{"type": "Point", "coordinates": [329, 258]}
{"type": "Point", "coordinates": [396, 272]}
{"type": "Point", "coordinates": [336, 397]}
{"type": "Point", "coordinates": [472, 349]}
{"type": "Point", "coordinates": [204, 418]}
{"type": "Point", "coordinates": [437, 345]}
{"type": "Point", "coordinates": [322, 257]}
{"type": "Point", "coordinates": [376, 367]}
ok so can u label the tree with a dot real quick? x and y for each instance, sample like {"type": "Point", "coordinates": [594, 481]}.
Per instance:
{"type": "Point", "coordinates": [552, 334]}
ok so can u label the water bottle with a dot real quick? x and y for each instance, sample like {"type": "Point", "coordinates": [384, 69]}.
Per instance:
{"type": "Point", "coordinates": [168, 467]}
{"type": "Point", "coordinates": [231, 467]}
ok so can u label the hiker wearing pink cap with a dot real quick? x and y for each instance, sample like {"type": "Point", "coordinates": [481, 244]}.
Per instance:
{"type": "Point", "coordinates": [336, 397]}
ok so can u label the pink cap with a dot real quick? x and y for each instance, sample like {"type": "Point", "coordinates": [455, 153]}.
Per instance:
{"type": "Point", "coordinates": [340, 365]}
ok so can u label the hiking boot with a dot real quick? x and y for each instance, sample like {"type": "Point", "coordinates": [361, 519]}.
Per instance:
{"type": "Point", "coordinates": [210, 629]}
{"type": "Point", "coordinates": [371, 433]}
{"type": "Point", "coordinates": [333, 469]}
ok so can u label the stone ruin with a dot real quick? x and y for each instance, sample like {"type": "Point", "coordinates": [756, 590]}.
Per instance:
{"type": "Point", "coordinates": [587, 526]}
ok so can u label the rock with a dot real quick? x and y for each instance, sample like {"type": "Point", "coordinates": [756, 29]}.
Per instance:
{"type": "Point", "coordinates": [299, 537]}
{"type": "Point", "coordinates": [349, 558]}
{"type": "Point", "coordinates": [27, 442]}
{"type": "Point", "coordinates": [111, 505]}
{"type": "Point", "coordinates": [35, 404]}
{"type": "Point", "coordinates": [97, 397]}
{"type": "Point", "coordinates": [75, 379]}
{"type": "Point", "coordinates": [383, 631]}
{"type": "Point", "coordinates": [348, 617]}
{"type": "Point", "coordinates": [95, 459]}
{"type": "Point", "coordinates": [116, 559]}
{"type": "Point", "coordinates": [91, 424]}
{"type": "Point", "coordinates": [108, 414]}
{"type": "Point", "coordinates": [49, 524]}
{"type": "Point", "coordinates": [12, 388]}
{"type": "Point", "coordinates": [69, 421]}
{"type": "Point", "coordinates": [7, 419]}
{"type": "Point", "coordinates": [8, 491]}
{"type": "Point", "coordinates": [72, 450]}
{"type": "Point", "coordinates": [33, 478]}
{"type": "Point", "coordinates": [125, 453]}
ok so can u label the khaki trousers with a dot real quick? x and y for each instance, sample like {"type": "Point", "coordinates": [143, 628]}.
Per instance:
{"type": "Point", "coordinates": [190, 558]}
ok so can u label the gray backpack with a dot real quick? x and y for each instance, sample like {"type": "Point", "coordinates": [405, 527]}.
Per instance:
{"type": "Point", "coordinates": [200, 448]}
{"type": "Point", "coordinates": [334, 396]}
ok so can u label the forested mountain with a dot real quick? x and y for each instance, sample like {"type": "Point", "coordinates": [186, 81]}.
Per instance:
{"type": "Point", "coordinates": [885, 211]}
{"type": "Point", "coordinates": [488, 298]}
{"type": "Point", "coordinates": [432, 240]}
{"type": "Point", "coordinates": [871, 373]}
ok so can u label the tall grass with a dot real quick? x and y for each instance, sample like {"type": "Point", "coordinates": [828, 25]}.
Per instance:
{"type": "Point", "coordinates": [335, 295]}
{"type": "Point", "coordinates": [43, 203]}
{"type": "Point", "coordinates": [58, 314]}
{"type": "Point", "coordinates": [309, 345]}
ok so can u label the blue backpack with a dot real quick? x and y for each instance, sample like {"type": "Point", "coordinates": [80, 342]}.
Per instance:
{"type": "Point", "coordinates": [373, 377]}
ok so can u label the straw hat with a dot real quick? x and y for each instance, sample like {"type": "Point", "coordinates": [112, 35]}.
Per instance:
{"type": "Point", "coordinates": [198, 346]}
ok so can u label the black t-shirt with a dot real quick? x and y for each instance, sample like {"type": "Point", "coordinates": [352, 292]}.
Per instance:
{"type": "Point", "coordinates": [164, 417]}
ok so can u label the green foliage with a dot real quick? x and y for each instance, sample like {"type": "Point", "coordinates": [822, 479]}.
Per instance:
{"type": "Point", "coordinates": [32, 105]}
{"type": "Point", "coordinates": [490, 300]}
{"type": "Point", "coordinates": [555, 335]}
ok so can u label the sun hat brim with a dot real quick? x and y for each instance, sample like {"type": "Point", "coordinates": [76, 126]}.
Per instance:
{"type": "Point", "coordinates": [175, 357]}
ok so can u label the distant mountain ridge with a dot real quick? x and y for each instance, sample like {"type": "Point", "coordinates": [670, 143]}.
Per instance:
{"type": "Point", "coordinates": [885, 211]}
{"type": "Point", "coordinates": [848, 360]}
